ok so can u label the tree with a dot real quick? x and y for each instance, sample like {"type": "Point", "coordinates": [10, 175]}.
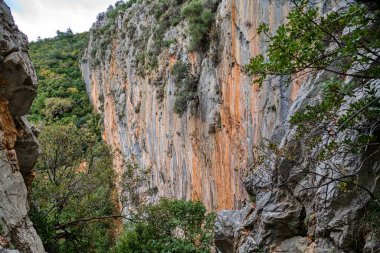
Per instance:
{"type": "Point", "coordinates": [169, 226]}
{"type": "Point", "coordinates": [344, 45]}
{"type": "Point", "coordinates": [200, 18]}
{"type": "Point", "coordinates": [61, 94]}
{"type": "Point", "coordinates": [73, 185]}
{"type": "Point", "coordinates": [343, 40]}
{"type": "Point", "coordinates": [73, 198]}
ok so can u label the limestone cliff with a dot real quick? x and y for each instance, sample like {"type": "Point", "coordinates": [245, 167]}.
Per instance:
{"type": "Point", "coordinates": [200, 154]}
{"type": "Point", "coordinates": [207, 152]}
{"type": "Point", "coordinates": [19, 147]}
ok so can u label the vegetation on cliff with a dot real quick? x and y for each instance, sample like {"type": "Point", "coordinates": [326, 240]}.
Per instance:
{"type": "Point", "coordinates": [341, 50]}
{"type": "Point", "coordinates": [171, 18]}
{"type": "Point", "coordinates": [73, 196]}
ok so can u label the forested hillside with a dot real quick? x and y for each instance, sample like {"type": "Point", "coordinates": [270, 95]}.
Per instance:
{"type": "Point", "coordinates": [266, 112]}
{"type": "Point", "coordinates": [74, 205]}
{"type": "Point", "coordinates": [61, 94]}
{"type": "Point", "coordinates": [74, 180]}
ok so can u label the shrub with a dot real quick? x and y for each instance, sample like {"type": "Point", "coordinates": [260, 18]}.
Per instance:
{"type": "Point", "coordinates": [181, 101]}
{"type": "Point", "coordinates": [186, 86]}
{"type": "Point", "coordinates": [200, 19]}
{"type": "Point", "coordinates": [180, 71]}
{"type": "Point", "coordinates": [55, 107]}
{"type": "Point", "coordinates": [169, 226]}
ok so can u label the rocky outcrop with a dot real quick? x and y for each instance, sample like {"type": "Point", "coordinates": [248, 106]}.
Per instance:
{"type": "Point", "coordinates": [201, 154]}
{"type": "Point", "coordinates": [207, 152]}
{"type": "Point", "coordinates": [19, 148]}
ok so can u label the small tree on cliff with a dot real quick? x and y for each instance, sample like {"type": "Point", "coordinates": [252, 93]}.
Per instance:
{"type": "Point", "coordinates": [344, 45]}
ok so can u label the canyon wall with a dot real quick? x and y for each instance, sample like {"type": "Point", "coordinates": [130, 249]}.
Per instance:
{"type": "Point", "coordinates": [19, 147]}
{"type": "Point", "coordinates": [200, 155]}
{"type": "Point", "coordinates": [208, 152]}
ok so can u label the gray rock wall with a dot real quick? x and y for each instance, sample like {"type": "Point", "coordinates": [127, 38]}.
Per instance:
{"type": "Point", "coordinates": [18, 145]}
{"type": "Point", "coordinates": [207, 153]}
{"type": "Point", "coordinates": [202, 154]}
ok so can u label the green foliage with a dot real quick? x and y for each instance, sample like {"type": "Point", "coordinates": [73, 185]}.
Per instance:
{"type": "Point", "coordinates": [112, 12]}
{"type": "Point", "coordinates": [186, 86]}
{"type": "Point", "coordinates": [74, 182]}
{"type": "Point", "coordinates": [74, 171]}
{"type": "Point", "coordinates": [169, 226]}
{"type": "Point", "coordinates": [182, 99]}
{"type": "Point", "coordinates": [107, 33]}
{"type": "Point", "coordinates": [55, 107]}
{"type": "Point", "coordinates": [345, 122]}
{"type": "Point", "coordinates": [309, 41]}
{"type": "Point", "coordinates": [167, 43]}
{"type": "Point", "coordinates": [61, 94]}
{"type": "Point", "coordinates": [200, 20]}
{"type": "Point", "coordinates": [180, 71]}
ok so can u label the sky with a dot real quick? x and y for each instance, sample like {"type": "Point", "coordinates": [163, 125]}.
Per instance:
{"type": "Point", "coordinates": [44, 17]}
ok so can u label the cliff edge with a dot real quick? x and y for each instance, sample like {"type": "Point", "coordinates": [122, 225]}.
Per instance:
{"type": "Point", "coordinates": [19, 147]}
{"type": "Point", "coordinates": [187, 111]}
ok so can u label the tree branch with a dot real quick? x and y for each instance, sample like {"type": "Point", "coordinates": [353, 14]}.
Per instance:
{"type": "Point", "coordinates": [75, 222]}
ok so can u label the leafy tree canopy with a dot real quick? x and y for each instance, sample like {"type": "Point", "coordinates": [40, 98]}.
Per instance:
{"type": "Point", "coordinates": [343, 45]}
{"type": "Point", "coordinates": [169, 226]}
{"type": "Point", "coordinates": [72, 195]}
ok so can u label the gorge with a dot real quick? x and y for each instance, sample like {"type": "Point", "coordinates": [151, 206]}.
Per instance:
{"type": "Point", "coordinates": [178, 103]}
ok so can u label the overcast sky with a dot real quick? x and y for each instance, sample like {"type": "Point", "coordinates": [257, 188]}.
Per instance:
{"type": "Point", "coordinates": [44, 17]}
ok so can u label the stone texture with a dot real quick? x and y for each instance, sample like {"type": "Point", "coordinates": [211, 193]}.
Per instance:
{"type": "Point", "coordinates": [205, 153]}
{"type": "Point", "coordinates": [202, 154]}
{"type": "Point", "coordinates": [19, 148]}
{"type": "Point", "coordinates": [18, 80]}
{"type": "Point", "coordinates": [227, 225]}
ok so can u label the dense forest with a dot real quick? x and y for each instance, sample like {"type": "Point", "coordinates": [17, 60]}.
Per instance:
{"type": "Point", "coordinates": [74, 182]}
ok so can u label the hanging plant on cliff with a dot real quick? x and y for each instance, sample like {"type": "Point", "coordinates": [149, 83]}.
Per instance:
{"type": "Point", "coordinates": [344, 46]}
{"type": "Point", "coordinates": [200, 16]}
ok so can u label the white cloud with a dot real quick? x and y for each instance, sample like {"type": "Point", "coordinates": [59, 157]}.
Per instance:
{"type": "Point", "coordinates": [44, 17]}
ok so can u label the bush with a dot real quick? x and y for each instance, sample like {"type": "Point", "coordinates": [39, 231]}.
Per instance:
{"type": "Point", "coordinates": [200, 19]}
{"type": "Point", "coordinates": [55, 107]}
{"type": "Point", "coordinates": [181, 101]}
{"type": "Point", "coordinates": [180, 71]}
{"type": "Point", "coordinates": [169, 226]}
{"type": "Point", "coordinates": [186, 86]}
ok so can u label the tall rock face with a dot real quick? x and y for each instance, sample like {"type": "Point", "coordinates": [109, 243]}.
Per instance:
{"type": "Point", "coordinates": [19, 147]}
{"type": "Point", "coordinates": [138, 70]}
{"type": "Point", "coordinates": [199, 155]}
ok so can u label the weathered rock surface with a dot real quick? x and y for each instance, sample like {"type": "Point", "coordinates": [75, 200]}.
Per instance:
{"type": "Point", "coordinates": [227, 224]}
{"type": "Point", "coordinates": [18, 146]}
{"type": "Point", "coordinates": [201, 154]}
{"type": "Point", "coordinates": [204, 153]}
